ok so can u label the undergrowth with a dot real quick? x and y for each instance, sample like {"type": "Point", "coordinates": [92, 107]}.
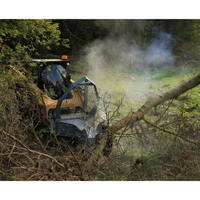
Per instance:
{"type": "Point", "coordinates": [164, 145]}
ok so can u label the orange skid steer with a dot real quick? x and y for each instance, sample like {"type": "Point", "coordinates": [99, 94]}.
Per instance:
{"type": "Point", "coordinates": [72, 112]}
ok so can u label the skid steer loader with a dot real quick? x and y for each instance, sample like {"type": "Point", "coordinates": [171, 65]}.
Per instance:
{"type": "Point", "coordinates": [72, 112]}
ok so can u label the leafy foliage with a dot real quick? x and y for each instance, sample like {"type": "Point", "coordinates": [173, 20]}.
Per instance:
{"type": "Point", "coordinates": [22, 39]}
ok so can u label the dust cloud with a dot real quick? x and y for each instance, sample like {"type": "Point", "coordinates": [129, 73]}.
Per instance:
{"type": "Point", "coordinates": [113, 57]}
{"type": "Point", "coordinates": [119, 55]}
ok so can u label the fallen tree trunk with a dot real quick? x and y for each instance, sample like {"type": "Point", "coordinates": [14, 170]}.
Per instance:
{"type": "Point", "coordinates": [195, 81]}
{"type": "Point", "coordinates": [154, 102]}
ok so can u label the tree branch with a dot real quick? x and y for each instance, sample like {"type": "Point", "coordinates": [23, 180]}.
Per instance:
{"type": "Point", "coordinates": [170, 132]}
{"type": "Point", "coordinates": [32, 151]}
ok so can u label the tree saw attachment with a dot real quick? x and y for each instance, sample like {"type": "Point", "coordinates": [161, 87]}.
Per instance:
{"type": "Point", "coordinates": [75, 112]}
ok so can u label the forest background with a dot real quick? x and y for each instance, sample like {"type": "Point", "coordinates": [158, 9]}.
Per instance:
{"type": "Point", "coordinates": [51, 38]}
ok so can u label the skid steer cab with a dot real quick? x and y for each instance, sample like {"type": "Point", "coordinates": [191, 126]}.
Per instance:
{"type": "Point", "coordinates": [71, 113]}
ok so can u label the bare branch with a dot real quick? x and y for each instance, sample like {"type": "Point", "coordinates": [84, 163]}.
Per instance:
{"type": "Point", "coordinates": [32, 151]}
{"type": "Point", "coordinates": [75, 159]}
{"type": "Point", "coordinates": [171, 133]}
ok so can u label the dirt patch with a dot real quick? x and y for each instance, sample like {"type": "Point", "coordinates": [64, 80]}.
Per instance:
{"type": "Point", "coordinates": [128, 78]}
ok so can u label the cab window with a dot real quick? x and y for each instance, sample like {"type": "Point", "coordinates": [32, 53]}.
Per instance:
{"type": "Point", "coordinates": [54, 76]}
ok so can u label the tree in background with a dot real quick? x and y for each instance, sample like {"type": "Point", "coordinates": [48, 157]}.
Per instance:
{"type": "Point", "coordinates": [80, 32]}
{"type": "Point", "coordinates": [22, 39]}
{"type": "Point", "coordinates": [186, 34]}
